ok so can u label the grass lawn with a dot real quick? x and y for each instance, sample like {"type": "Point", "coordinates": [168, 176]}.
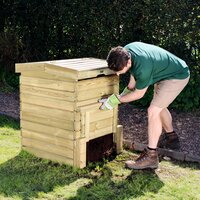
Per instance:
{"type": "Point", "coordinates": [23, 176]}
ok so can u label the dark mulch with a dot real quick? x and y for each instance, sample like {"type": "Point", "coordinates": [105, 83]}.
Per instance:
{"type": "Point", "coordinates": [134, 121]}
{"type": "Point", "coordinates": [186, 124]}
{"type": "Point", "coordinates": [9, 104]}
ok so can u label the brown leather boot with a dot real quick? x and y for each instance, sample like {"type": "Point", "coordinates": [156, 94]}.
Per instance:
{"type": "Point", "coordinates": [169, 141]}
{"type": "Point", "coordinates": [147, 159]}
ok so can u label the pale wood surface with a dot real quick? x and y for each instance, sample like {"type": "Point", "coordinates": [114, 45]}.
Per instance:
{"type": "Point", "coordinates": [51, 113]}
{"type": "Point", "coordinates": [76, 69]}
{"type": "Point", "coordinates": [47, 130]}
{"type": "Point", "coordinates": [50, 139]}
{"type": "Point", "coordinates": [60, 110]}
{"type": "Point", "coordinates": [46, 83]}
{"type": "Point", "coordinates": [51, 156]}
{"type": "Point", "coordinates": [80, 153]}
{"type": "Point", "coordinates": [50, 93]}
{"type": "Point", "coordinates": [118, 138]}
{"type": "Point", "coordinates": [47, 102]}
{"type": "Point", "coordinates": [43, 146]}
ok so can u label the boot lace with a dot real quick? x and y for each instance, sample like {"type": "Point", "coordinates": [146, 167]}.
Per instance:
{"type": "Point", "coordinates": [142, 156]}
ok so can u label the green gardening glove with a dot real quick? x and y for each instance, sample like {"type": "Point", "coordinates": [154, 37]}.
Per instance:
{"type": "Point", "coordinates": [109, 103]}
{"type": "Point", "coordinates": [125, 91]}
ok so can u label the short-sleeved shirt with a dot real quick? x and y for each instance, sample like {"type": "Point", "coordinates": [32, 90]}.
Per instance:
{"type": "Point", "coordinates": [151, 64]}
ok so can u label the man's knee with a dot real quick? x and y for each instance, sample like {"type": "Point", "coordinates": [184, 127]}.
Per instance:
{"type": "Point", "coordinates": [154, 111]}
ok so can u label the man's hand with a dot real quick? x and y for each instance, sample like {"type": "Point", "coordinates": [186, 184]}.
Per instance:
{"type": "Point", "coordinates": [109, 103]}
{"type": "Point", "coordinates": [125, 91]}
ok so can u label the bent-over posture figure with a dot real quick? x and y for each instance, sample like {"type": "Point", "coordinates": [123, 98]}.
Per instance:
{"type": "Point", "coordinates": [150, 65]}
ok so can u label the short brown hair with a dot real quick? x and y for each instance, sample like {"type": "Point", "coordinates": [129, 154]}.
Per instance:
{"type": "Point", "coordinates": [117, 58]}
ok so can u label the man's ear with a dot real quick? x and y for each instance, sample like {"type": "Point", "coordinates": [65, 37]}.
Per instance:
{"type": "Point", "coordinates": [129, 63]}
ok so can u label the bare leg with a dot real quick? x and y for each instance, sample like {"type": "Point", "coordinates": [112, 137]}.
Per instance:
{"type": "Point", "coordinates": [154, 125]}
{"type": "Point", "coordinates": [166, 120]}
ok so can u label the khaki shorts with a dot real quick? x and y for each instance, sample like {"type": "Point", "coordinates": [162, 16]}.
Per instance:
{"type": "Point", "coordinates": [166, 91]}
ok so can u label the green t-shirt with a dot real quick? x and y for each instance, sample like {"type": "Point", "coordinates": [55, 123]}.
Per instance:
{"type": "Point", "coordinates": [151, 64]}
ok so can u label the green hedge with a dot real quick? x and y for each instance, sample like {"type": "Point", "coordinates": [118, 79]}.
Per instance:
{"type": "Point", "coordinates": [34, 30]}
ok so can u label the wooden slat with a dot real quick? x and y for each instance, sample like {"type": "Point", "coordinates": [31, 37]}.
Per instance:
{"type": "Point", "coordinates": [50, 112]}
{"type": "Point", "coordinates": [47, 102]}
{"type": "Point", "coordinates": [100, 124]}
{"type": "Point", "coordinates": [77, 72]}
{"type": "Point", "coordinates": [101, 132]}
{"type": "Point", "coordinates": [98, 93]}
{"type": "Point", "coordinates": [48, 138]}
{"type": "Point", "coordinates": [50, 156]}
{"type": "Point", "coordinates": [44, 129]}
{"type": "Point", "coordinates": [46, 83]}
{"type": "Point", "coordinates": [80, 64]}
{"type": "Point", "coordinates": [62, 72]}
{"type": "Point", "coordinates": [94, 73]}
{"type": "Point", "coordinates": [20, 67]}
{"type": "Point", "coordinates": [90, 107]}
{"type": "Point", "coordinates": [94, 83]}
{"type": "Point", "coordinates": [43, 146]}
{"type": "Point", "coordinates": [115, 114]}
{"type": "Point", "coordinates": [98, 115]}
{"type": "Point", "coordinates": [87, 102]}
{"type": "Point", "coordinates": [50, 93]}
{"type": "Point", "coordinates": [118, 138]}
{"type": "Point", "coordinates": [80, 153]}
{"type": "Point", "coordinates": [57, 123]}
{"type": "Point", "coordinates": [45, 75]}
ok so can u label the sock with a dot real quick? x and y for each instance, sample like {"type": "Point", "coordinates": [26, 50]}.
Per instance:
{"type": "Point", "coordinates": [154, 149]}
{"type": "Point", "coordinates": [170, 132]}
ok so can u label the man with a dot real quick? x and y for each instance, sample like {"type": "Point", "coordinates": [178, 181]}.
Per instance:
{"type": "Point", "coordinates": [149, 65]}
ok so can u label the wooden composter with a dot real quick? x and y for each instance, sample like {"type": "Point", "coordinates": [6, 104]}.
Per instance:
{"type": "Point", "coordinates": [59, 110]}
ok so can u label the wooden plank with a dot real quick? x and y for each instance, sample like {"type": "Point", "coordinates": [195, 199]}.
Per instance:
{"type": "Point", "coordinates": [50, 93]}
{"type": "Point", "coordinates": [115, 112]}
{"type": "Point", "coordinates": [94, 83]}
{"type": "Point", "coordinates": [87, 125]}
{"type": "Point", "coordinates": [97, 93]}
{"type": "Point", "coordinates": [21, 67]}
{"type": "Point", "coordinates": [101, 132]}
{"type": "Point", "coordinates": [92, 129]}
{"type": "Point", "coordinates": [47, 102]}
{"type": "Point", "coordinates": [57, 123]}
{"type": "Point", "coordinates": [77, 71]}
{"type": "Point", "coordinates": [44, 129]}
{"type": "Point", "coordinates": [80, 64]}
{"type": "Point", "coordinates": [45, 75]}
{"type": "Point", "coordinates": [86, 102]}
{"type": "Point", "coordinates": [50, 156]}
{"type": "Point", "coordinates": [94, 73]}
{"type": "Point", "coordinates": [62, 72]}
{"type": "Point", "coordinates": [80, 153]}
{"type": "Point", "coordinates": [43, 146]}
{"type": "Point", "coordinates": [91, 107]}
{"type": "Point", "coordinates": [48, 138]}
{"type": "Point", "coordinates": [100, 124]}
{"type": "Point", "coordinates": [118, 138]}
{"type": "Point", "coordinates": [50, 112]}
{"type": "Point", "coordinates": [98, 115]}
{"type": "Point", "coordinates": [46, 83]}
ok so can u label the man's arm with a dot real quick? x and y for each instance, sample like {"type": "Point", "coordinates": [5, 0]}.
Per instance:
{"type": "Point", "coordinates": [135, 95]}
{"type": "Point", "coordinates": [131, 84]}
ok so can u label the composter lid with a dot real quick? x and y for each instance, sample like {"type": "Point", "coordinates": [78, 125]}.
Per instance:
{"type": "Point", "coordinates": [78, 68]}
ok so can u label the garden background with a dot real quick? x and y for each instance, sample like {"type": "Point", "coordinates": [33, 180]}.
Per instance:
{"type": "Point", "coordinates": [37, 30]}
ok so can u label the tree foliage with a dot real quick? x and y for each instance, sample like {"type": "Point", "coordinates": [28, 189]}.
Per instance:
{"type": "Point", "coordinates": [33, 30]}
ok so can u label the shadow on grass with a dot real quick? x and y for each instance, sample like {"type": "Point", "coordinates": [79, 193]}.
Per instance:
{"type": "Point", "coordinates": [10, 122]}
{"type": "Point", "coordinates": [135, 185]}
{"type": "Point", "coordinates": [25, 175]}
